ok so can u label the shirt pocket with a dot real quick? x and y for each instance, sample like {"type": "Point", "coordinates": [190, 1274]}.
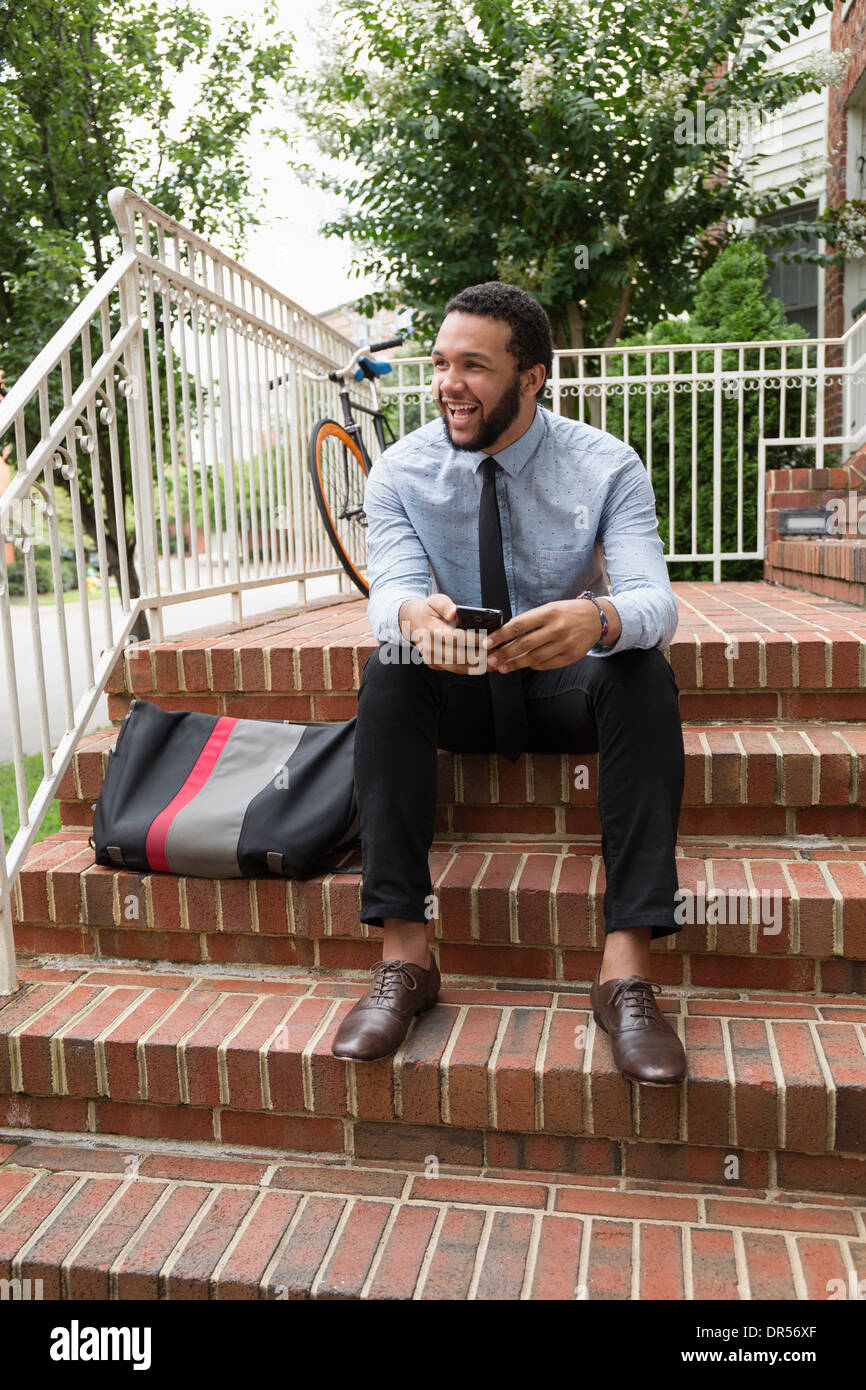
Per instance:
{"type": "Point", "coordinates": [557, 568]}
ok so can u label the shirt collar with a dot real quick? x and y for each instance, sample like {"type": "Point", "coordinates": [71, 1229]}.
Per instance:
{"type": "Point", "coordinates": [516, 455]}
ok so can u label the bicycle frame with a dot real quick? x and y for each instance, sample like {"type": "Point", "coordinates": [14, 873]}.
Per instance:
{"type": "Point", "coordinates": [345, 505]}
{"type": "Point", "coordinates": [380, 423]}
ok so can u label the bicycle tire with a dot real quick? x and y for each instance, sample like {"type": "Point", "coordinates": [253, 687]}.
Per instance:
{"type": "Point", "coordinates": [322, 431]}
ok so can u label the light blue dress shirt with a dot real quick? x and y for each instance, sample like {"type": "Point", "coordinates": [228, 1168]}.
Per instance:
{"type": "Point", "coordinates": [577, 512]}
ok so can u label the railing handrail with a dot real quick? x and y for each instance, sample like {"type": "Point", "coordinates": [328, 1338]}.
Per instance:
{"type": "Point", "coordinates": [124, 202]}
{"type": "Point", "coordinates": [23, 479]}
{"type": "Point", "coordinates": [815, 369]}
{"type": "Point", "coordinates": [21, 392]}
{"type": "Point", "coordinates": [222, 301]}
{"type": "Point", "coordinates": [623, 349]}
{"type": "Point", "coordinates": [858, 324]}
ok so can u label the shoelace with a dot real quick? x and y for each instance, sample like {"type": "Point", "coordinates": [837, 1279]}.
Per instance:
{"type": "Point", "coordinates": [386, 974]}
{"type": "Point", "coordinates": [639, 996]}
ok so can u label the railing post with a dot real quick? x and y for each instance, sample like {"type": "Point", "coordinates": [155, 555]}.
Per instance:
{"type": "Point", "coordinates": [848, 391]}
{"type": "Point", "coordinates": [717, 465]}
{"type": "Point", "coordinates": [820, 422]}
{"type": "Point", "coordinates": [139, 433]}
{"type": "Point", "coordinates": [228, 451]}
{"type": "Point", "coordinates": [760, 534]}
{"type": "Point", "coordinates": [8, 976]}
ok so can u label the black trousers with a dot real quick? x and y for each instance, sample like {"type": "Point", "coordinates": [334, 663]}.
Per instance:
{"type": "Point", "coordinates": [625, 707]}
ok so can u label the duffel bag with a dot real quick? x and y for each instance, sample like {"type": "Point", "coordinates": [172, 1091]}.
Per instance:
{"type": "Point", "coordinates": [217, 797]}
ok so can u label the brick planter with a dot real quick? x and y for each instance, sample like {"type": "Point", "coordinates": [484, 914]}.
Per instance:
{"type": "Point", "coordinates": [833, 566]}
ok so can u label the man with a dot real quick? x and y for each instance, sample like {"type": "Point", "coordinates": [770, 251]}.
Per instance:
{"type": "Point", "coordinates": [506, 505]}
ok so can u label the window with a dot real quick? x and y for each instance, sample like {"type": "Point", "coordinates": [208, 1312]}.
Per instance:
{"type": "Point", "coordinates": [796, 285]}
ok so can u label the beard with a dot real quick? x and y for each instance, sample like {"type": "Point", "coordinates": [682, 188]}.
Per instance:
{"type": "Point", "coordinates": [500, 418]}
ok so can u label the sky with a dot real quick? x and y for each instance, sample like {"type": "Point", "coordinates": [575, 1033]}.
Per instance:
{"type": "Point", "coordinates": [288, 250]}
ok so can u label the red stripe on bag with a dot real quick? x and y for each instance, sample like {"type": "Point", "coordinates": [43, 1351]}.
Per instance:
{"type": "Point", "coordinates": [157, 835]}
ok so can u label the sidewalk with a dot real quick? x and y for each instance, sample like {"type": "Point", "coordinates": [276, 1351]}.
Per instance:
{"type": "Point", "coordinates": [177, 618]}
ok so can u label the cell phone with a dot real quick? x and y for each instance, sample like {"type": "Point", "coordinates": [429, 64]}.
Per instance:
{"type": "Point", "coordinates": [479, 619]}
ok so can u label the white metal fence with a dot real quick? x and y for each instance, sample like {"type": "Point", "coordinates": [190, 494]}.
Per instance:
{"type": "Point", "coordinates": [174, 407]}
{"type": "Point", "coordinates": [707, 419]}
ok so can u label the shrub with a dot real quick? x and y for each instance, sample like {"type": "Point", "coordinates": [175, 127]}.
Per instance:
{"type": "Point", "coordinates": [44, 576]}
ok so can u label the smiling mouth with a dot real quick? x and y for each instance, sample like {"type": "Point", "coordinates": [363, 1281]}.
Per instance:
{"type": "Point", "coordinates": [460, 412]}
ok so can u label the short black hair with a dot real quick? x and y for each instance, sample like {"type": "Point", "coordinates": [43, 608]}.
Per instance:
{"type": "Point", "coordinates": [531, 338]}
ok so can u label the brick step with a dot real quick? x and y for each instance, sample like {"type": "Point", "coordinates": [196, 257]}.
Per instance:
{"type": "Point", "coordinates": [503, 1079]}
{"type": "Point", "coordinates": [780, 779]}
{"type": "Point", "coordinates": [755, 914]}
{"type": "Point", "coordinates": [742, 651]}
{"type": "Point", "coordinates": [94, 1221]}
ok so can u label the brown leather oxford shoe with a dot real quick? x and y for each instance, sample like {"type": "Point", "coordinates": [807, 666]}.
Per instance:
{"type": "Point", "coordinates": [380, 1020]}
{"type": "Point", "coordinates": [644, 1045]}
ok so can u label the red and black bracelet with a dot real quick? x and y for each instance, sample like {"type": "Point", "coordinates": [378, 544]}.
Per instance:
{"type": "Point", "coordinates": [587, 593]}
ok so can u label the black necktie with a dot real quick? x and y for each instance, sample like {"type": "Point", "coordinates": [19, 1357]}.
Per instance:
{"type": "Point", "coordinates": [506, 688]}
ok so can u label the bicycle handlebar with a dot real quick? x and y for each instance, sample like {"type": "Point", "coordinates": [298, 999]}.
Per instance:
{"type": "Point", "coordinates": [388, 343]}
{"type": "Point", "coordinates": [350, 366]}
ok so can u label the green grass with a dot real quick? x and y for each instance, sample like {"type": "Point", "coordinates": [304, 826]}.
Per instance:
{"type": "Point", "coordinates": [69, 596]}
{"type": "Point", "coordinates": [9, 799]}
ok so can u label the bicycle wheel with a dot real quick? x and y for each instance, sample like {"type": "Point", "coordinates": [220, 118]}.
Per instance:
{"type": "Point", "coordinates": [338, 471]}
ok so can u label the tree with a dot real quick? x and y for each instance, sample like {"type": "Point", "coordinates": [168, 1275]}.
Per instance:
{"type": "Point", "coordinates": [86, 103]}
{"type": "Point", "coordinates": [557, 144]}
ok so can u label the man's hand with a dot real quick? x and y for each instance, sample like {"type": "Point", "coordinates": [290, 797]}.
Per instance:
{"type": "Point", "coordinates": [556, 634]}
{"type": "Point", "coordinates": [427, 623]}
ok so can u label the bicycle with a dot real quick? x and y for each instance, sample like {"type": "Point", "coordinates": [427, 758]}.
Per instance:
{"type": "Point", "coordinates": [339, 460]}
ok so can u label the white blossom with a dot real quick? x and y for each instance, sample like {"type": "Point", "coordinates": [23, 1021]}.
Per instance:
{"type": "Point", "coordinates": [443, 34]}
{"type": "Point", "coordinates": [535, 81]}
{"type": "Point", "coordinates": [825, 65]}
{"type": "Point", "coordinates": [440, 45]}
{"type": "Point", "coordinates": [667, 92]}
{"type": "Point", "coordinates": [850, 235]}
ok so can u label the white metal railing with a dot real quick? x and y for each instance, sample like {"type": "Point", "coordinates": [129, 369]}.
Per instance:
{"type": "Point", "coordinates": [703, 417]}
{"type": "Point", "coordinates": [174, 404]}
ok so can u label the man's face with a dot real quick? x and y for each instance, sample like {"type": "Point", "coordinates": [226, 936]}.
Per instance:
{"type": "Point", "coordinates": [476, 384]}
